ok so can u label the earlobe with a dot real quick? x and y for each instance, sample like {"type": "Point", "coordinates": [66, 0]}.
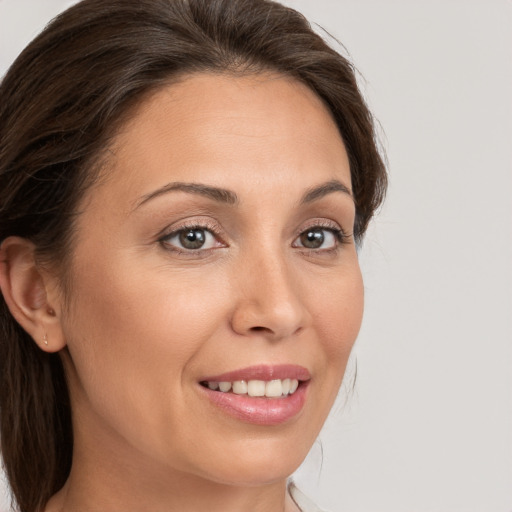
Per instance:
{"type": "Point", "coordinates": [24, 288]}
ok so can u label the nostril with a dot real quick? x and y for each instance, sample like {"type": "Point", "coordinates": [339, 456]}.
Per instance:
{"type": "Point", "coordinates": [259, 329]}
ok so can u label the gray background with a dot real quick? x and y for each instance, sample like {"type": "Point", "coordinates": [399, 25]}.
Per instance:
{"type": "Point", "coordinates": [429, 426]}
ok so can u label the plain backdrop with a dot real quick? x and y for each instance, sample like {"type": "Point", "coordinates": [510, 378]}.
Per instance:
{"type": "Point", "coordinates": [429, 425]}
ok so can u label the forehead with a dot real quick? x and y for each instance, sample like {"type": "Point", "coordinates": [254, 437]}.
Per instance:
{"type": "Point", "coordinates": [226, 130]}
{"type": "Point", "coordinates": [196, 97]}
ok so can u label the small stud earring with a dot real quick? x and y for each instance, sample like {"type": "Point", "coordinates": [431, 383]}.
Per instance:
{"type": "Point", "coordinates": [45, 339]}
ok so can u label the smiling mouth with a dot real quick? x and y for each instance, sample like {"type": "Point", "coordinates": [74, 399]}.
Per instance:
{"type": "Point", "coordinates": [276, 388]}
{"type": "Point", "coordinates": [263, 395]}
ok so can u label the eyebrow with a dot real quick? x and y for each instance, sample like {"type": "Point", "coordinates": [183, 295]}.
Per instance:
{"type": "Point", "coordinates": [320, 191]}
{"type": "Point", "coordinates": [220, 195]}
{"type": "Point", "coordinates": [229, 197]}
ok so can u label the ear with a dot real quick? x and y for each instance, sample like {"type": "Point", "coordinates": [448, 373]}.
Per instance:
{"type": "Point", "coordinates": [31, 294]}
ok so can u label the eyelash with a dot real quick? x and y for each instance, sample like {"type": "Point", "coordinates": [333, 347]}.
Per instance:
{"type": "Point", "coordinates": [210, 227]}
{"type": "Point", "coordinates": [339, 234]}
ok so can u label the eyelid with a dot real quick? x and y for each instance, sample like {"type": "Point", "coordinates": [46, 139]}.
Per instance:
{"type": "Point", "coordinates": [191, 223]}
{"type": "Point", "coordinates": [206, 224]}
{"type": "Point", "coordinates": [322, 223]}
{"type": "Point", "coordinates": [341, 236]}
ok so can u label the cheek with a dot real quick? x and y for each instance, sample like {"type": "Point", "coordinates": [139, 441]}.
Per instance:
{"type": "Point", "coordinates": [340, 309]}
{"type": "Point", "coordinates": [338, 315]}
{"type": "Point", "coordinates": [132, 336]}
{"type": "Point", "coordinates": [144, 324]}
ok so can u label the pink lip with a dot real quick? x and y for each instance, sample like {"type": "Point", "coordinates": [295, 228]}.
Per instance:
{"type": "Point", "coordinates": [262, 372]}
{"type": "Point", "coordinates": [260, 410]}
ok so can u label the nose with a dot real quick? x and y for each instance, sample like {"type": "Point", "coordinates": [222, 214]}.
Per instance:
{"type": "Point", "coordinates": [269, 301]}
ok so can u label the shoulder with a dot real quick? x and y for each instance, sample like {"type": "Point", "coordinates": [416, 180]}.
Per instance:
{"type": "Point", "coordinates": [301, 500]}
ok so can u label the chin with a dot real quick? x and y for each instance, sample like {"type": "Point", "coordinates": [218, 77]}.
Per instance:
{"type": "Point", "coordinates": [256, 462]}
{"type": "Point", "coordinates": [266, 471]}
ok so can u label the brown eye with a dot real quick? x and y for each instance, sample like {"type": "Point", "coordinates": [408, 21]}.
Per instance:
{"type": "Point", "coordinates": [319, 238]}
{"type": "Point", "coordinates": [312, 239]}
{"type": "Point", "coordinates": [192, 238]}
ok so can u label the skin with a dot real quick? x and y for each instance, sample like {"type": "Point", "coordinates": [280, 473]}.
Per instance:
{"type": "Point", "coordinates": [145, 320]}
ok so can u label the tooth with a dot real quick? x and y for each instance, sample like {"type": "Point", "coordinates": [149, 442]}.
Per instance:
{"type": "Point", "coordinates": [224, 386]}
{"type": "Point", "coordinates": [286, 386]}
{"type": "Point", "coordinates": [294, 383]}
{"type": "Point", "coordinates": [256, 388]}
{"type": "Point", "coordinates": [213, 385]}
{"type": "Point", "coordinates": [273, 388]}
{"type": "Point", "coordinates": [240, 387]}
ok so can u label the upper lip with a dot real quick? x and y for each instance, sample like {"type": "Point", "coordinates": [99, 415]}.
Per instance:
{"type": "Point", "coordinates": [262, 372]}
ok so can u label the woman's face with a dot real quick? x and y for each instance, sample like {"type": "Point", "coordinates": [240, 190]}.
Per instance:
{"type": "Point", "coordinates": [218, 248]}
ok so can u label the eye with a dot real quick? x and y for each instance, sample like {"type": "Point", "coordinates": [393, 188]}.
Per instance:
{"type": "Point", "coordinates": [318, 238]}
{"type": "Point", "coordinates": [191, 239]}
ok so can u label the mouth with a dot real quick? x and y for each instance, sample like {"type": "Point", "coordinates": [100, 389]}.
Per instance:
{"type": "Point", "coordinates": [276, 388]}
{"type": "Point", "coordinates": [262, 395]}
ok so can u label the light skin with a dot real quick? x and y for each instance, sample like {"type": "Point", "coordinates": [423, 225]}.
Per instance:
{"type": "Point", "coordinates": [146, 318]}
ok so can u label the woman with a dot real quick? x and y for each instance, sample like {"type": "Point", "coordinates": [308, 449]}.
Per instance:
{"type": "Point", "coordinates": [183, 185]}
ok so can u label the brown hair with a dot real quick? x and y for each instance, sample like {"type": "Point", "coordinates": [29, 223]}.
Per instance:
{"type": "Point", "coordinates": [61, 103]}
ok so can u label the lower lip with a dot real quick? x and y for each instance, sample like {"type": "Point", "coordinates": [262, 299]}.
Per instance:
{"type": "Point", "coordinates": [260, 410]}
